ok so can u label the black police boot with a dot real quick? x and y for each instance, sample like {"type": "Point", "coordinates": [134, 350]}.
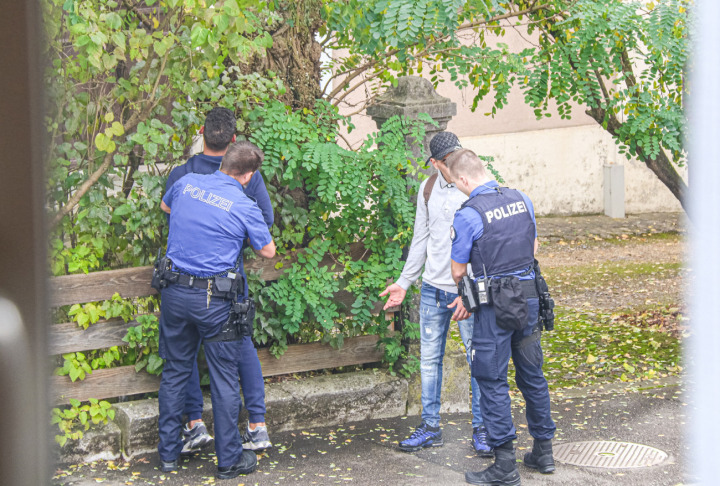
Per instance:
{"type": "Point", "coordinates": [503, 472]}
{"type": "Point", "coordinates": [541, 457]}
{"type": "Point", "coordinates": [245, 465]}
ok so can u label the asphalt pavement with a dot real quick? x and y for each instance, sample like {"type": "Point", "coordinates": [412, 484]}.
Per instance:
{"type": "Point", "coordinates": [366, 453]}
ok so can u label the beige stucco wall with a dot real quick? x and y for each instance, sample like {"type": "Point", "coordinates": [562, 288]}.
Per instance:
{"type": "Point", "coordinates": [561, 169]}
{"type": "Point", "coordinates": [558, 163]}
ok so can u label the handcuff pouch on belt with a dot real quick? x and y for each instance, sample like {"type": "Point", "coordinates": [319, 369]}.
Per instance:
{"type": "Point", "coordinates": [226, 287]}
{"type": "Point", "coordinates": [239, 323]}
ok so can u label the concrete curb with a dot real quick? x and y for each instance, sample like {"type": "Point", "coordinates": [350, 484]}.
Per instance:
{"type": "Point", "coordinates": [326, 400]}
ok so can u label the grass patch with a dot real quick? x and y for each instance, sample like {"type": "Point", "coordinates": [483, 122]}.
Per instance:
{"type": "Point", "coordinates": [592, 349]}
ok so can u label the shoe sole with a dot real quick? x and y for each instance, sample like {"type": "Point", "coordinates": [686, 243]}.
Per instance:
{"type": "Point", "coordinates": [439, 443]}
{"type": "Point", "coordinates": [494, 483]}
{"type": "Point", "coordinates": [235, 474]}
{"type": "Point", "coordinates": [542, 470]}
{"type": "Point", "coordinates": [485, 454]}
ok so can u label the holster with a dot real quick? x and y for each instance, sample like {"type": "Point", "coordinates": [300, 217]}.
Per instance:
{"type": "Point", "coordinates": [161, 268]}
{"type": "Point", "coordinates": [469, 294]}
{"type": "Point", "coordinates": [239, 323]}
{"type": "Point", "coordinates": [547, 304]}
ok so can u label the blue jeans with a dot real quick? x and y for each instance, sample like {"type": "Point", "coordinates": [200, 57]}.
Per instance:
{"type": "Point", "coordinates": [434, 325]}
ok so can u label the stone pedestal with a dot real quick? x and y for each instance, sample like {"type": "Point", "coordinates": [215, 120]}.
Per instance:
{"type": "Point", "coordinates": [412, 96]}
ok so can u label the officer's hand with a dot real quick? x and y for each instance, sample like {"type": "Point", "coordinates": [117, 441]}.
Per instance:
{"type": "Point", "coordinates": [397, 295]}
{"type": "Point", "coordinates": [460, 313]}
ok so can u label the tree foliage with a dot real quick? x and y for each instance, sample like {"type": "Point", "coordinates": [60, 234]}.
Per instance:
{"type": "Point", "coordinates": [128, 85]}
{"type": "Point", "coordinates": [351, 197]}
{"type": "Point", "coordinates": [622, 62]}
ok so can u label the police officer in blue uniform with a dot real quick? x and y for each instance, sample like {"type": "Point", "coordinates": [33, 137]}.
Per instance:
{"type": "Point", "coordinates": [495, 231]}
{"type": "Point", "coordinates": [204, 299]}
{"type": "Point", "coordinates": [218, 133]}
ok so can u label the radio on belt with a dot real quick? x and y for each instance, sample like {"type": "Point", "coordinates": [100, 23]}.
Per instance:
{"type": "Point", "coordinates": [482, 290]}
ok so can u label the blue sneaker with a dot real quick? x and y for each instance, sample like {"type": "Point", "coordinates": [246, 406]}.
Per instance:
{"type": "Point", "coordinates": [479, 442]}
{"type": "Point", "coordinates": [424, 436]}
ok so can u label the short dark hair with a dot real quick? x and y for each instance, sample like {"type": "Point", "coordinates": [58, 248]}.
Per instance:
{"type": "Point", "coordinates": [219, 128]}
{"type": "Point", "coordinates": [242, 157]}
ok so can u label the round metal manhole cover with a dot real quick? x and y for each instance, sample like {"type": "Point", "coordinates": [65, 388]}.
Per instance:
{"type": "Point", "coordinates": [608, 454]}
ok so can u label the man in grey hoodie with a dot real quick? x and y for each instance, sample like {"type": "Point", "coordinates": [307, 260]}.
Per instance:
{"type": "Point", "coordinates": [439, 302]}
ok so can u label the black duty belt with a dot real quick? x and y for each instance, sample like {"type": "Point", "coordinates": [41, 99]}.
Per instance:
{"type": "Point", "coordinates": [192, 281]}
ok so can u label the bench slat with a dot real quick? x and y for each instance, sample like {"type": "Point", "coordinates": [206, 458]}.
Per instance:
{"type": "Point", "coordinates": [114, 382]}
{"type": "Point", "coordinates": [135, 282]}
{"type": "Point", "coordinates": [94, 286]}
{"type": "Point", "coordinates": [69, 338]}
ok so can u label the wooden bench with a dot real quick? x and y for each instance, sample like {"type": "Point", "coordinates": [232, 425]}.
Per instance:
{"type": "Point", "coordinates": [135, 282]}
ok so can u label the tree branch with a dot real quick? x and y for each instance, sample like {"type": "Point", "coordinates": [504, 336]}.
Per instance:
{"type": "Point", "coordinates": [661, 166]}
{"type": "Point", "coordinates": [85, 187]}
{"type": "Point", "coordinates": [470, 25]}
{"type": "Point", "coordinates": [143, 18]}
{"type": "Point", "coordinates": [95, 176]}
{"type": "Point", "coordinates": [357, 85]}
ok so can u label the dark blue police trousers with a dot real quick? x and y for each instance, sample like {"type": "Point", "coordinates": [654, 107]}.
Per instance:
{"type": "Point", "coordinates": [184, 321]}
{"type": "Point", "coordinates": [492, 348]}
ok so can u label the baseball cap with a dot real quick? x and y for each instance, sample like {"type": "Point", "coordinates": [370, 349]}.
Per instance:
{"type": "Point", "coordinates": [442, 144]}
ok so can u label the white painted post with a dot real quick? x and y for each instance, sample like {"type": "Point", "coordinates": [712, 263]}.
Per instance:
{"type": "Point", "coordinates": [614, 190]}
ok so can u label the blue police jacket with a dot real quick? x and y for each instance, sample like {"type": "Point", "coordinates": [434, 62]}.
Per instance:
{"type": "Point", "coordinates": [495, 229]}
{"type": "Point", "coordinates": [210, 218]}
{"type": "Point", "coordinates": [207, 164]}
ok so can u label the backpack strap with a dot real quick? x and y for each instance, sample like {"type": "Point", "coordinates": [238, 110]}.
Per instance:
{"type": "Point", "coordinates": [429, 187]}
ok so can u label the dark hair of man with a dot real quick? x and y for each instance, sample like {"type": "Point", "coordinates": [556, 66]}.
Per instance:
{"type": "Point", "coordinates": [465, 163]}
{"type": "Point", "coordinates": [242, 157]}
{"type": "Point", "coordinates": [219, 128]}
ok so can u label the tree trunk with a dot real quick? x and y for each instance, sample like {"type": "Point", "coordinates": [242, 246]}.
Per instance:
{"type": "Point", "coordinates": [295, 54]}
